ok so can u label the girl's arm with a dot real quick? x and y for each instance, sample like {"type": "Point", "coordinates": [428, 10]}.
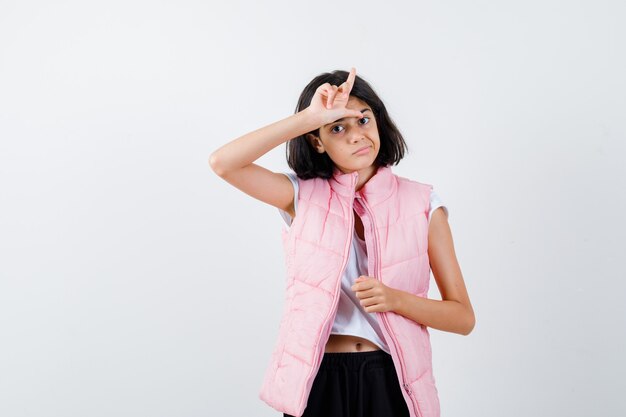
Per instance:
{"type": "Point", "coordinates": [251, 146]}
{"type": "Point", "coordinates": [454, 313]}
{"type": "Point", "coordinates": [233, 162]}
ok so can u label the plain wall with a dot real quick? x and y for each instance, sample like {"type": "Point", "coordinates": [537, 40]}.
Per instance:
{"type": "Point", "coordinates": [136, 282]}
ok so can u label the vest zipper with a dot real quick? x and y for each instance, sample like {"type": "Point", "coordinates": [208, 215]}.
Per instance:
{"type": "Point", "coordinates": [378, 270]}
{"type": "Point", "coordinates": [328, 324]}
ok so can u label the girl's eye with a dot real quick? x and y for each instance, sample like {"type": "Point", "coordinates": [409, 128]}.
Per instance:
{"type": "Point", "coordinates": [363, 118]}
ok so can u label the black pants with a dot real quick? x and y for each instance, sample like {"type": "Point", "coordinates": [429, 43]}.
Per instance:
{"type": "Point", "coordinates": [356, 384]}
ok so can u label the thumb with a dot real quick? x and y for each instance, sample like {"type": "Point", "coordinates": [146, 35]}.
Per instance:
{"type": "Point", "coordinates": [354, 113]}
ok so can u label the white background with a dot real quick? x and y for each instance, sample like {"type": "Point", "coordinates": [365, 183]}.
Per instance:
{"type": "Point", "coordinates": [136, 282]}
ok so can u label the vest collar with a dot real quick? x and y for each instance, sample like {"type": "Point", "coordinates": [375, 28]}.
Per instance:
{"type": "Point", "coordinates": [378, 188]}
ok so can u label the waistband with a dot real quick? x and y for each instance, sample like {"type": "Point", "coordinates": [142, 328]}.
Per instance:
{"type": "Point", "coordinates": [355, 361]}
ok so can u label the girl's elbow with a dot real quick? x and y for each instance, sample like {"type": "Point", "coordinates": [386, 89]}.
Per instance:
{"type": "Point", "coordinates": [471, 322]}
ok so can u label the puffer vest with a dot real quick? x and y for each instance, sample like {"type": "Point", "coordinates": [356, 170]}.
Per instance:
{"type": "Point", "coordinates": [394, 212]}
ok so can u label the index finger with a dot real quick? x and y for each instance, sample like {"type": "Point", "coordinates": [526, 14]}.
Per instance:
{"type": "Point", "coordinates": [346, 86]}
{"type": "Point", "coordinates": [350, 81]}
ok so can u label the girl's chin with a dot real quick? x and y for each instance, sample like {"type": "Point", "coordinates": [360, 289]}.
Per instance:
{"type": "Point", "coordinates": [361, 167]}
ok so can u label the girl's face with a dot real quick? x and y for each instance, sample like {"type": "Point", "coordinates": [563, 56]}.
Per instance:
{"type": "Point", "coordinates": [343, 138]}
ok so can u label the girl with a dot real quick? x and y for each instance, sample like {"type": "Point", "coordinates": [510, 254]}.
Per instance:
{"type": "Point", "coordinates": [359, 248]}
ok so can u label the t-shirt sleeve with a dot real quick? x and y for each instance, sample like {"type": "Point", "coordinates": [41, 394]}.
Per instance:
{"type": "Point", "coordinates": [294, 180]}
{"type": "Point", "coordinates": [435, 202]}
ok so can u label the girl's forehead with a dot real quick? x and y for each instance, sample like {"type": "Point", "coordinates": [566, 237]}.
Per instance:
{"type": "Point", "coordinates": [357, 104]}
{"type": "Point", "coordinates": [356, 101]}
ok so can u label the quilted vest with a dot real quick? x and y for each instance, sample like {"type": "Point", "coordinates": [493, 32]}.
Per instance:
{"type": "Point", "coordinates": [394, 212]}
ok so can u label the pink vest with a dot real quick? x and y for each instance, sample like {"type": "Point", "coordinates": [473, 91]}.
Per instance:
{"type": "Point", "coordinates": [394, 212]}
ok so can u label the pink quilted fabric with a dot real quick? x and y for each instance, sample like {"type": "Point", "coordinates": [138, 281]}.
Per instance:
{"type": "Point", "coordinates": [394, 211]}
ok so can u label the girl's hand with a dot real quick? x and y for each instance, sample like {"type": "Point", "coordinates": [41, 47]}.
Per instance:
{"type": "Point", "coordinates": [374, 295]}
{"type": "Point", "coordinates": [329, 102]}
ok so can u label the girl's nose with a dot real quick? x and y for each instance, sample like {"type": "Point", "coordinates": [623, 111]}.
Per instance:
{"type": "Point", "coordinates": [355, 135]}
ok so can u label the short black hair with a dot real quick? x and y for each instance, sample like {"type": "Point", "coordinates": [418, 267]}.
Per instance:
{"type": "Point", "coordinates": [307, 163]}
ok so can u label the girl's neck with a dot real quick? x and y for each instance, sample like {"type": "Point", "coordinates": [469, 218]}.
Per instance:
{"type": "Point", "coordinates": [365, 175]}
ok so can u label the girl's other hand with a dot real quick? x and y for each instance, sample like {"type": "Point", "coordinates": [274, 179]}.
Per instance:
{"type": "Point", "coordinates": [329, 102]}
{"type": "Point", "coordinates": [375, 296]}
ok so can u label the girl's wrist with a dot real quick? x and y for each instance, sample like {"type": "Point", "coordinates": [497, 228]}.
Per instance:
{"type": "Point", "coordinates": [312, 120]}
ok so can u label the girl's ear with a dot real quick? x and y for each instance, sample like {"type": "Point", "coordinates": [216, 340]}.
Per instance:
{"type": "Point", "coordinates": [315, 142]}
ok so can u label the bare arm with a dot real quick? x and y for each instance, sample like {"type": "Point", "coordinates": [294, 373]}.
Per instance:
{"type": "Point", "coordinates": [454, 313]}
{"type": "Point", "coordinates": [251, 146]}
{"type": "Point", "coordinates": [233, 162]}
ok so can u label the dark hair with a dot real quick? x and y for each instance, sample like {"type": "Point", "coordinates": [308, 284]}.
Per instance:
{"type": "Point", "coordinates": [307, 163]}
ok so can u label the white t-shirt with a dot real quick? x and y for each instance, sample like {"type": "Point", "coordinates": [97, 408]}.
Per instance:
{"type": "Point", "coordinates": [351, 317]}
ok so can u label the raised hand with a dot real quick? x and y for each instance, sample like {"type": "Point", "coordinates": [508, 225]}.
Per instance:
{"type": "Point", "coordinates": [329, 102]}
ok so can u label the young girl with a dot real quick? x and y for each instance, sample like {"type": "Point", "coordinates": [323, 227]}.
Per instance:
{"type": "Point", "coordinates": [360, 245]}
